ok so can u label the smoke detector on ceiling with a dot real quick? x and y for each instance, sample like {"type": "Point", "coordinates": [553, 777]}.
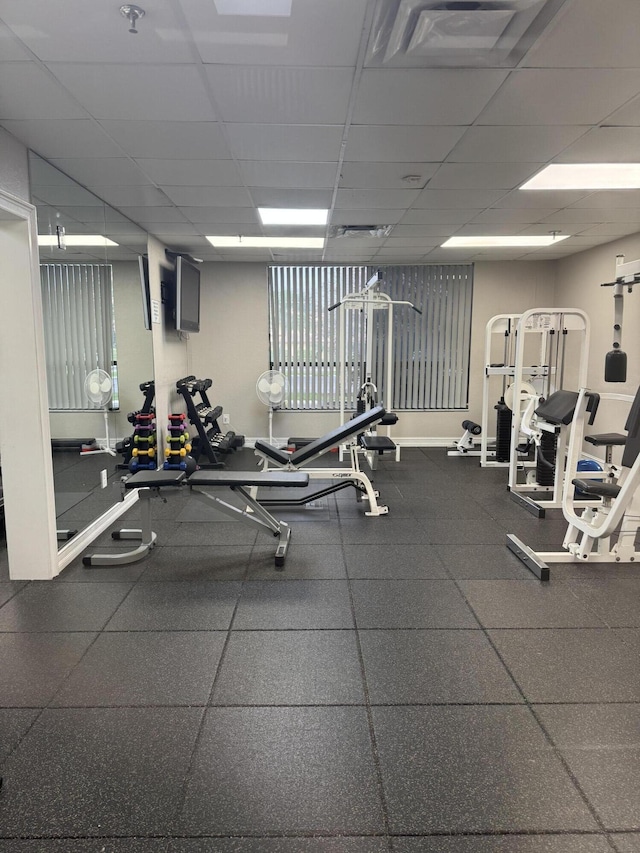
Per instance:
{"type": "Point", "coordinates": [467, 33]}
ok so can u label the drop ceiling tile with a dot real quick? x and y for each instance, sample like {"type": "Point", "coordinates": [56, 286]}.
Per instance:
{"type": "Point", "coordinates": [611, 229]}
{"type": "Point", "coordinates": [265, 173]}
{"type": "Point", "coordinates": [273, 197]}
{"type": "Point", "coordinates": [209, 196]}
{"type": "Point", "coordinates": [12, 48]}
{"type": "Point", "coordinates": [176, 229]}
{"type": "Point", "coordinates": [106, 91]}
{"type": "Point", "coordinates": [496, 215]}
{"type": "Point", "coordinates": [208, 217]}
{"type": "Point", "coordinates": [369, 199]}
{"type": "Point", "coordinates": [418, 243]}
{"type": "Point", "coordinates": [508, 144]}
{"type": "Point", "coordinates": [475, 176]}
{"type": "Point", "coordinates": [148, 216]}
{"type": "Point", "coordinates": [627, 116]}
{"type": "Point", "coordinates": [540, 198]}
{"type": "Point", "coordinates": [424, 96]}
{"type": "Point", "coordinates": [285, 142]}
{"type": "Point", "coordinates": [169, 139]}
{"type": "Point", "coordinates": [113, 171]}
{"type": "Point", "coordinates": [540, 96]}
{"type": "Point", "coordinates": [61, 195]}
{"type": "Point", "coordinates": [564, 228]}
{"type": "Point", "coordinates": [132, 196]}
{"type": "Point", "coordinates": [277, 95]}
{"type": "Point", "coordinates": [604, 145]}
{"type": "Point", "coordinates": [609, 199]}
{"type": "Point", "coordinates": [402, 256]}
{"type": "Point", "coordinates": [435, 216]}
{"type": "Point", "coordinates": [443, 199]}
{"type": "Point", "coordinates": [448, 256]}
{"type": "Point", "coordinates": [356, 244]}
{"type": "Point", "coordinates": [590, 34]}
{"type": "Point", "coordinates": [473, 229]}
{"type": "Point", "coordinates": [386, 175]}
{"type": "Point", "coordinates": [336, 27]}
{"type": "Point", "coordinates": [28, 92]}
{"type": "Point", "coordinates": [366, 217]}
{"type": "Point", "coordinates": [101, 36]}
{"type": "Point", "coordinates": [190, 173]}
{"type": "Point", "coordinates": [592, 214]}
{"type": "Point", "coordinates": [384, 143]}
{"type": "Point", "coordinates": [85, 214]}
{"type": "Point", "coordinates": [230, 229]}
{"type": "Point", "coordinates": [620, 215]}
{"type": "Point", "coordinates": [424, 231]}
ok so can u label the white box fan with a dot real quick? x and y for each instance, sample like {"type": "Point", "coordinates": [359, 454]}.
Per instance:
{"type": "Point", "coordinates": [271, 388]}
{"type": "Point", "coordinates": [98, 388]}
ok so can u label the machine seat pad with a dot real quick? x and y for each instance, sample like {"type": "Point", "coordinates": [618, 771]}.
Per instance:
{"type": "Point", "coordinates": [601, 490]}
{"type": "Point", "coordinates": [277, 479]}
{"type": "Point", "coordinates": [377, 442]}
{"type": "Point", "coordinates": [389, 419]}
{"type": "Point", "coordinates": [155, 479]}
{"type": "Point", "coordinates": [274, 453]}
{"type": "Point", "coordinates": [558, 408]}
{"type": "Point", "coordinates": [606, 438]}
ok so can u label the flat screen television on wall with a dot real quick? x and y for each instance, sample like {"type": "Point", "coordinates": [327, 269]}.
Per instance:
{"type": "Point", "coordinates": [187, 295]}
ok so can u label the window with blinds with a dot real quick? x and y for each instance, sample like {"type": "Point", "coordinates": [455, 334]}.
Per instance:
{"type": "Point", "coordinates": [79, 329]}
{"type": "Point", "coordinates": [430, 350]}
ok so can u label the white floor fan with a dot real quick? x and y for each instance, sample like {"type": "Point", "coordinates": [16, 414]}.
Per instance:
{"type": "Point", "coordinates": [98, 387]}
{"type": "Point", "coordinates": [271, 388]}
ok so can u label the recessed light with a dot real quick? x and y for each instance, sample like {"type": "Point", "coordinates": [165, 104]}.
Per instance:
{"type": "Point", "coordinates": [258, 8]}
{"type": "Point", "coordinates": [586, 176]}
{"type": "Point", "coordinates": [505, 242]}
{"type": "Point", "coordinates": [293, 216]}
{"type": "Point", "coordinates": [225, 242]}
{"type": "Point", "coordinates": [75, 240]}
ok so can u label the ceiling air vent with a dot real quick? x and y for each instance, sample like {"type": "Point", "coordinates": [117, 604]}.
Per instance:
{"type": "Point", "coordinates": [457, 33]}
{"type": "Point", "coordinates": [360, 231]}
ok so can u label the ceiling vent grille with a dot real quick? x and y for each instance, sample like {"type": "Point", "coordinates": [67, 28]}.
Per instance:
{"type": "Point", "coordinates": [456, 33]}
{"type": "Point", "coordinates": [360, 231]}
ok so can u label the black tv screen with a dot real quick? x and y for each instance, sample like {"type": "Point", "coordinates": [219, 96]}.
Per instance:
{"type": "Point", "coordinates": [143, 263]}
{"type": "Point", "coordinates": [187, 296]}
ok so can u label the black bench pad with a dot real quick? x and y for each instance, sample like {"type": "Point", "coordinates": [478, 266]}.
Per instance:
{"type": "Point", "coordinates": [279, 456]}
{"type": "Point", "coordinates": [155, 479]}
{"type": "Point", "coordinates": [606, 438]}
{"type": "Point", "coordinates": [377, 442]}
{"type": "Point", "coordinates": [279, 479]}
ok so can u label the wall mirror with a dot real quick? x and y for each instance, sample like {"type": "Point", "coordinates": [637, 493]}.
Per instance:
{"type": "Point", "coordinates": [94, 325]}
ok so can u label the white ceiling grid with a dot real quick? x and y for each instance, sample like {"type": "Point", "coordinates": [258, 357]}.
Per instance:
{"type": "Point", "coordinates": [190, 125]}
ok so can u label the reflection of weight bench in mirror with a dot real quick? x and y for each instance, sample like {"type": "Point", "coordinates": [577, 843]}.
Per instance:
{"type": "Point", "coordinates": [201, 484]}
{"type": "Point", "coordinates": [347, 476]}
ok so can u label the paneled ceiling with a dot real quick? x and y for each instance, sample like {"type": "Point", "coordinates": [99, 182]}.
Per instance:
{"type": "Point", "coordinates": [186, 127]}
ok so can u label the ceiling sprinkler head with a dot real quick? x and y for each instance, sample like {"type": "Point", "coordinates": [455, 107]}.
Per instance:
{"type": "Point", "coordinates": [132, 14]}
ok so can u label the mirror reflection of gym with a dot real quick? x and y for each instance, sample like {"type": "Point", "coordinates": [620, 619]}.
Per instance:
{"type": "Point", "coordinates": [94, 379]}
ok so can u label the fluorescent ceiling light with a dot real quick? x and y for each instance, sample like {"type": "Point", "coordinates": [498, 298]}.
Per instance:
{"type": "Point", "coordinates": [293, 216]}
{"type": "Point", "coordinates": [586, 176]}
{"type": "Point", "coordinates": [524, 240]}
{"type": "Point", "coordinates": [267, 242]}
{"type": "Point", "coordinates": [75, 240]}
{"type": "Point", "coordinates": [257, 8]}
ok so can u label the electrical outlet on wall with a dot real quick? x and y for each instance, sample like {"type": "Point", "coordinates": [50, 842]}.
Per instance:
{"type": "Point", "coordinates": [225, 419]}
{"type": "Point", "coordinates": [103, 478]}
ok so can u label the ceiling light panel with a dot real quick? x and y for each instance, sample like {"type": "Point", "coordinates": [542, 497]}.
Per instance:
{"type": "Point", "coordinates": [242, 242]}
{"type": "Point", "coordinates": [256, 8]}
{"type": "Point", "coordinates": [586, 176]}
{"type": "Point", "coordinates": [292, 216]}
{"type": "Point", "coordinates": [75, 240]}
{"type": "Point", "coordinates": [506, 242]}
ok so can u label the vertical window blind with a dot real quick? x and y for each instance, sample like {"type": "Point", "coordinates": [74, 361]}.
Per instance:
{"type": "Point", "coordinates": [430, 351]}
{"type": "Point", "coordinates": [79, 329]}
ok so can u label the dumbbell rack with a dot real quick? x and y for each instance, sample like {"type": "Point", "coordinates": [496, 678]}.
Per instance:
{"type": "Point", "coordinates": [143, 455]}
{"type": "Point", "coordinates": [179, 447]}
{"type": "Point", "coordinates": [210, 441]}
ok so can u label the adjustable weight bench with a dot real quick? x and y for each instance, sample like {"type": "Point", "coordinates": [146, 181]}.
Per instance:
{"type": "Point", "coordinates": [344, 477]}
{"type": "Point", "coordinates": [150, 483]}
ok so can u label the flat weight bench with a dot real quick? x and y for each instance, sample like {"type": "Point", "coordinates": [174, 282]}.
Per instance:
{"type": "Point", "coordinates": [344, 477]}
{"type": "Point", "coordinates": [149, 484]}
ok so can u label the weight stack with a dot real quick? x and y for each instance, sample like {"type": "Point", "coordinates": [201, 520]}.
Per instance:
{"type": "Point", "coordinates": [503, 431]}
{"type": "Point", "coordinates": [546, 462]}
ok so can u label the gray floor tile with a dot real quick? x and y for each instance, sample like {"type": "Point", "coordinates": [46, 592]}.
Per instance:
{"type": "Point", "coordinates": [615, 600]}
{"type": "Point", "coordinates": [410, 604]}
{"type": "Point", "coordinates": [572, 665]}
{"type": "Point", "coordinates": [290, 668]}
{"type": "Point", "coordinates": [33, 666]}
{"type": "Point", "coordinates": [8, 589]}
{"type": "Point", "coordinates": [197, 845]}
{"type": "Point", "coordinates": [311, 533]}
{"type": "Point", "coordinates": [545, 534]}
{"type": "Point", "coordinates": [527, 604]}
{"type": "Point", "coordinates": [415, 667]}
{"type": "Point", "coordinates": [473, 769]}
{"type": "Point", "coordinates": [212, 535]}
{"type": "Point", "coordinates": [169, 606]}
{"type": "Point", "coordinates": [393, 561]}
{"type": "Point", "coordinates": [99, 772]}
{"type": "Point", "coordinates": [77, 572]}
{"type": "Point", "coordinates": [310, 562]}
{"type": "Point", "coordinates": [289, 770]}
{"type": "Point", "coordinates": [601, 745]}
{"type": "Point", "coordinates": [197, 563]}
{"type": "Point", "coordinates": [165, 668]}
{"type": "Point", "coordinates": [481, 562]}
{"type": "Point", "coordinates": [384, 529]}
{"type": "Point", "coordinates": [282, 605]}
{"type": "Point", "coordinates": [569, 843]}
{"type": "Point", "coordinates": [468, 532]}
{"type": "Point", "coordinates": [627, 843]}
{"type": "Point", "coordinates": [14, 724]}
{"type": "Point", "coordinates": [46, 606]}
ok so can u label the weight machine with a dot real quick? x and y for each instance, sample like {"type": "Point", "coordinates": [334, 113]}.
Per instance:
{"type": "Point", "coordinates": [369, 302]}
